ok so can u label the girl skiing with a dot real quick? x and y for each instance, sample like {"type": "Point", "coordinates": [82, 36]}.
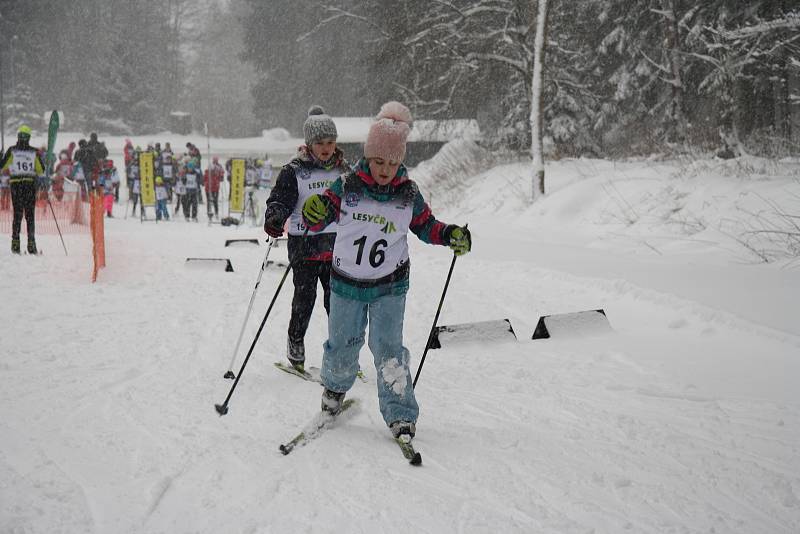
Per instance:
{"type": "Point", "coordinates": [374, 206]}
{"type": "Point", "coordinates": [318, 163]}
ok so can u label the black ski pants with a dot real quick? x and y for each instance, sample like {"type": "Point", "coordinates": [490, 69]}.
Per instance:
{"type": "Point", "coordinates": [213, 198]}
{"type": "Point", "coordinates": [190, 204]}
{"type": "Point", "coordinates": [23, 198]}
{"type": "Point", "coordinates": [305, 274]}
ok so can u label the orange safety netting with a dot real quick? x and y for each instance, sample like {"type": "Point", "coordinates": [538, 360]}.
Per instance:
{"type": "Point", "coordinates": [70, 212]}
{"type": "Point", "coordinates": [98, 233]}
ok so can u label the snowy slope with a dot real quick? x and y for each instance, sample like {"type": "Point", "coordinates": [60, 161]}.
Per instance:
{"type": "Point", "coordinates": [685, 419]}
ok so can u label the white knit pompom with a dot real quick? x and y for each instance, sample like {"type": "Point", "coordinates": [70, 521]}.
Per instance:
{"type": "Point", "coordinates": [395, 111]}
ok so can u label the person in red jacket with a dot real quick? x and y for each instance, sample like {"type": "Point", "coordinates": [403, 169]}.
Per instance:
{"type": "Point", "coordinates": [127, 152]}
{"type": "Point", "coordinates": [211, 180]}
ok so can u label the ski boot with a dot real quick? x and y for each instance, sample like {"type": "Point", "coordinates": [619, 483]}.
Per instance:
{"type": "Point", "coordinates": [332, 401]}
{"type": "Point", "coordinates": [403, 430]}
{"type": "Point", "coordinates": [31, 246]}
{"type": "Point", "coordinates": [296, 354]}
{"type": "Point", "coordinates": [15, 246]}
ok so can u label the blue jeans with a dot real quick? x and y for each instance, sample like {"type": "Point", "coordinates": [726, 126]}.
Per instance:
{"type": "Point", "coordinates": [347, 324]}
{"type": "Point", "coordinates": [161, 209]}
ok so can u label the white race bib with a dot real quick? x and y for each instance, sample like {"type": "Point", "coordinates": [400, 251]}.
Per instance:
{"type": "Point", "coordinates": [24, 163]}
{"type": "Point", "coordinates": [191, 180]}
{"type": "Point", "coordinates": [310, 182]}
{"type": "Point", "coordinates": [371, 239]}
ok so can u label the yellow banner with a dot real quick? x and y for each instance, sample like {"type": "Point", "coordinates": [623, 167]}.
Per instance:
{"type": "Point", "coordinates": [237, 186]}
{"type": "Point", "coordinates": [148, 179]}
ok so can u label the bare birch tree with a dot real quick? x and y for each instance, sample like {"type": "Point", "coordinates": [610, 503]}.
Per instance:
{"type": "Point", "coordinates": [537, 147]}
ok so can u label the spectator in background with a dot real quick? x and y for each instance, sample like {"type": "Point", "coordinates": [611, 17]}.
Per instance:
{"type": "Point", "coordinates": [194, 156]}
{"type": "Point", "coordinates": [5, 191]}
{"type": "Point", "coordinates": [134, 180]}
{"type": "Point", "coordinates": [168, 168]}
{"type": "Point", "coordinates": [194, 153]}
{"type": "Point", "coordinates": [211, 181]}
{"type": "Point", "coordinates": [70, 149]}
{"type": "Point", "coordinates": [191, 179]}
{"type": "Point", "coordinates": [90, 155]}
{"type": "Point", "coordinates": [82, 154]}
{"type": "Point", "coordinates": [127, 151]}
{"type": "Point", "coordinates": [180, 190]}
{"type": "Point", "coordinates": [161, 200]}
{"type": "Point", "coordinates": [109, 181]}
{"type": "Point", "coordinates": [80, 180]}
{"type": "Point", "coordinates": [63, 171]}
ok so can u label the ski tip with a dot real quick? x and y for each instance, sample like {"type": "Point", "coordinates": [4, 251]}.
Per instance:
{"type": "Point", "coordinates": [416, 459]}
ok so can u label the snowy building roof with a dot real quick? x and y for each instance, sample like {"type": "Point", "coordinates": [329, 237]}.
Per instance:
{"type": "Point", "coordinates": [355, 129]}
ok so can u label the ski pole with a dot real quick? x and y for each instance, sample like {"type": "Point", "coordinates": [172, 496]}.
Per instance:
{"type": "Point", "coordinates": [435, 320]}
{"type": "Point", "coordinates": [229, 372]}
{"type": "Point", "coordinates": [57, 227]}
{"type": "Point", "coordinates": [222, 409]}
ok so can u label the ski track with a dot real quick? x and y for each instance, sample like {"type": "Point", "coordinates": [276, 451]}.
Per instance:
{"type": "Point", "coordinates": [110, 423]}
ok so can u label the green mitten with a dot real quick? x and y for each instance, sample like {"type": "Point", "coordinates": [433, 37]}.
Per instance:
{"type": "Point", "coordinates": [460, 241]}
{"type": "Point", "coordinates": [315, 209]}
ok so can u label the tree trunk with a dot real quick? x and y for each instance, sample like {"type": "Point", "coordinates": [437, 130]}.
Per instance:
{"type": "Point", "coordinates": [537, 147]}
{"type": "Point", "coordinates": [673, 44]}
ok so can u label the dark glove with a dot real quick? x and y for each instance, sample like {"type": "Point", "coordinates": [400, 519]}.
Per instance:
{"type": "Point", "coordinates": [273, 225]}
{"type": "Point", "coordinates": [460, 240]}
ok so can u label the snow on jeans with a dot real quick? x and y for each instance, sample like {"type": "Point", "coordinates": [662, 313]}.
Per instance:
{"type": "Point", "coordinates": [347, 324]}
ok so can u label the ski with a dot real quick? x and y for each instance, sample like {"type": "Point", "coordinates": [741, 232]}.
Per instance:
{"type": "Point", "coordinates": [317, 426]}
{"type": "Point", "coordinates": [311, 374]}
{"type": "Point", "coordinates": [413, 457]}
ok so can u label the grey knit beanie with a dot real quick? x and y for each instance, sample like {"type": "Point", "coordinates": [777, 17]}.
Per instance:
{"type": "Point", "coordinates": [318, 126]}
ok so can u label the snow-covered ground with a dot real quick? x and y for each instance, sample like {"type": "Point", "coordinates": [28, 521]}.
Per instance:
{"type": "Point", "coordinates": [685, 419]}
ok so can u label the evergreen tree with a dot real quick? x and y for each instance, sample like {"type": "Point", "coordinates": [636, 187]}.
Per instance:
{"type": "Point", "coordinates": [218, 82]}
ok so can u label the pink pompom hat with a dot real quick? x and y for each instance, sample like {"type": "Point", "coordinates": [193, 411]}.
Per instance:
{"type": "Point", "coordinates": [388, 134]}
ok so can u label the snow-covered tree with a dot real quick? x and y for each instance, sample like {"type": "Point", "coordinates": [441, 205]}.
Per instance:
{"type": "Point", "coordinates": [537, 148]}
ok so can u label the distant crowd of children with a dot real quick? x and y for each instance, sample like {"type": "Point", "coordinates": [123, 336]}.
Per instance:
{"type": "Point", "coordinates": [182, 179]}
{"type": "Point", "coordinates": [179, 178]}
